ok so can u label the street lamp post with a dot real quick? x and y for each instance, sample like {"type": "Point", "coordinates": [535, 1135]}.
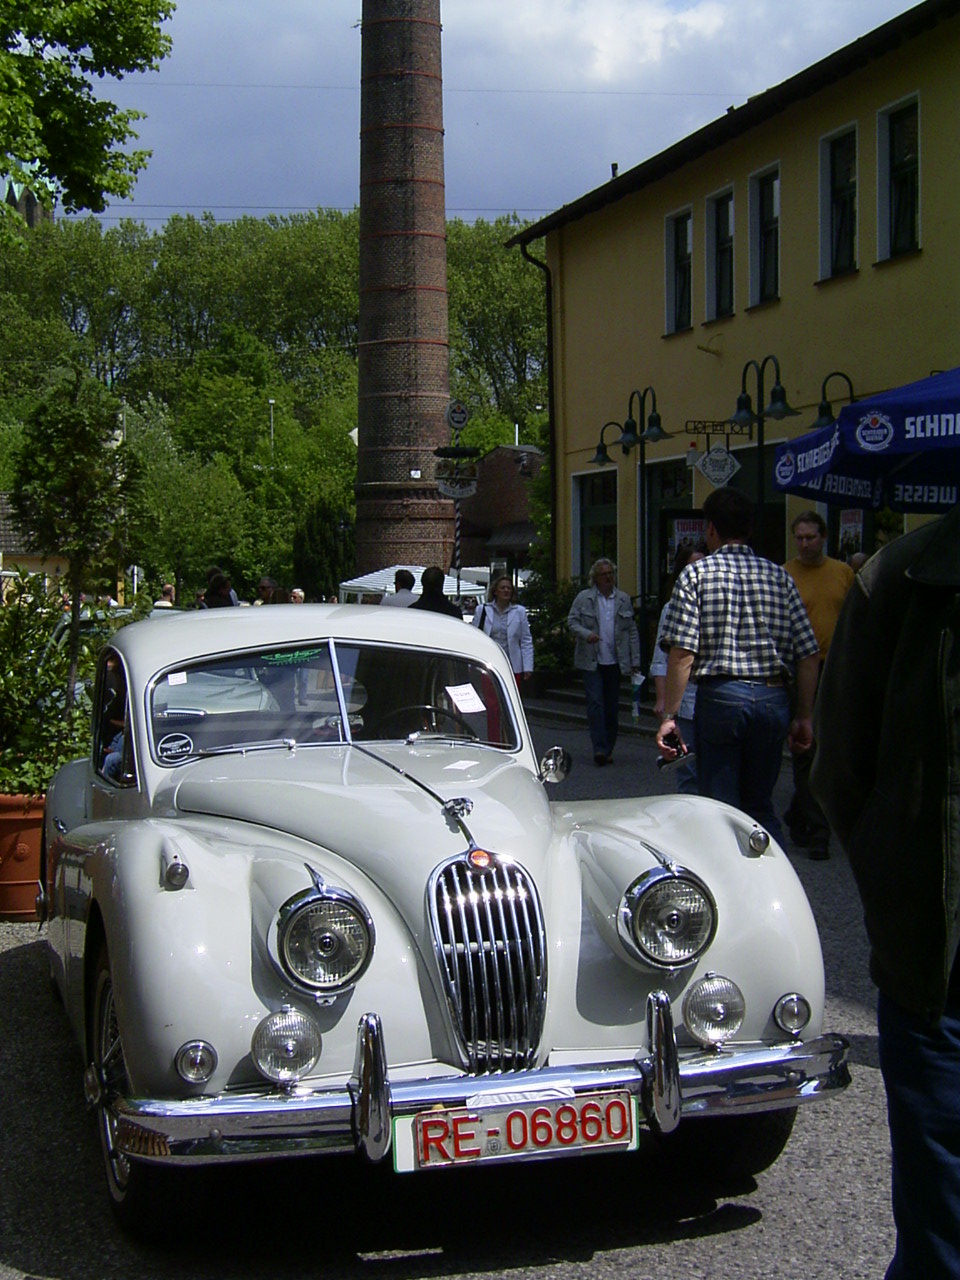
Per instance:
{"type": "Point", "coordinates": [271, 403]}
{"type": "Point", "coordinates": [640, 431]}
{"type": "Point", "coordinates": [745, 416]}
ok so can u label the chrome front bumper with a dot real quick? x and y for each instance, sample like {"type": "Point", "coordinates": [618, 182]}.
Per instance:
{"type": "Point", "coordinates": [265, 1125]}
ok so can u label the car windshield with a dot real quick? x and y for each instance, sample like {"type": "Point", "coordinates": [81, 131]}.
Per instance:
{"type": "Point", "coordinates": [281, 696]}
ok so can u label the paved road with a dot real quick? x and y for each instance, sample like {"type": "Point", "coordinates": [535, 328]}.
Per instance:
{"type": "Point", "coordinates": [820, 1213]}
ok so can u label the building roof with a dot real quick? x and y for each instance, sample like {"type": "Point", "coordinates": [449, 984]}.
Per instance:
{"type": "Point", "coordinates": [755, 111]}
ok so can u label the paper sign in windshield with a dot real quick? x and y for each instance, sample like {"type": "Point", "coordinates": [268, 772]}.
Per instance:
{"type": "Point", "coordinates": [465, 698]}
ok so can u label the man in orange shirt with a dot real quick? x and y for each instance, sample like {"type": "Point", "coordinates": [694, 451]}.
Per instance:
{"type": "Point", "coordinates": [823, 584]}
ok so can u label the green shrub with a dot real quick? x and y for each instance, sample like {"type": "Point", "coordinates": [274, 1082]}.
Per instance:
{"type": "Point", "coordinates": [37, 733]}
{"type": "Point", "coordinates": [547, 604]}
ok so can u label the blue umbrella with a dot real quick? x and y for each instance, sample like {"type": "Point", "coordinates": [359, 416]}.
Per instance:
{"type": "Point", "coordinates": [899, 449]}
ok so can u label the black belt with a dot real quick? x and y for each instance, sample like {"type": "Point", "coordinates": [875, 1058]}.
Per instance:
{"type": "Point", "coordinates": [771, 682]}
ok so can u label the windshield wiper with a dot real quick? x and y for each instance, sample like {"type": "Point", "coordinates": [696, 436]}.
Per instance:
{"type": "Point", "coordinates": [264, 744]}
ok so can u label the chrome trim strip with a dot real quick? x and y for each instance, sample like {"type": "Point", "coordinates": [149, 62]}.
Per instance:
{"type": "Point", "coordinates": [266, 1123]}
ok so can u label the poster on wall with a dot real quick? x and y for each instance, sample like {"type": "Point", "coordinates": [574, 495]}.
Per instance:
{"type": "Point", "coordinates": [851, 533]}
{"type": "Point", "coordinates": [684, 530]}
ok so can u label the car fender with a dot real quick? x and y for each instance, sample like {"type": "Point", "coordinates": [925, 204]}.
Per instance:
{"type": "Point", "coordinates": [192, 963]}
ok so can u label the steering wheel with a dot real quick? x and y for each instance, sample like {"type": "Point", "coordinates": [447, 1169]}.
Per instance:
{"type": "Point", "coordinates": [429, 709]}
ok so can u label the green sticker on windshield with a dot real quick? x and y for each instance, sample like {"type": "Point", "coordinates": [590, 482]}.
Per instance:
{"type": "Point", "coordinates": [294, 658]}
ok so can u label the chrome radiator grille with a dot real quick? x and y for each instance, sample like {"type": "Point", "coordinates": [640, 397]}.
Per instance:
{"type": "Point", "coordinates": [490, 940]}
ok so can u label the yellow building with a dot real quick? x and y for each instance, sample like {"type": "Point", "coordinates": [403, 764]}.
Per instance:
{"type": "Point", "coordinates": [811, 232]}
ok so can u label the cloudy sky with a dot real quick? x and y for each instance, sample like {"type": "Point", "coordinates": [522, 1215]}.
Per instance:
{"type": "Point", "coordinates": [257, 109]}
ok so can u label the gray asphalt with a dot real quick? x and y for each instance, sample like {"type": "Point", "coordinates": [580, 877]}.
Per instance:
{"type": "Point", "coordinates": [822, 1211]}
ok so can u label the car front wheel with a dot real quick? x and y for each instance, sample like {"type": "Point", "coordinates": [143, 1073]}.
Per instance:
{"type": "Point", "coordinates": [132, 1185]}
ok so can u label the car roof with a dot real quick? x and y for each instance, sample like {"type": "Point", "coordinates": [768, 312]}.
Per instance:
{"type": "Point", "coordinates": [151, 645]}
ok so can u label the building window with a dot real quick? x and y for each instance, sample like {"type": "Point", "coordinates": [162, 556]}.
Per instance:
{"type": "Point", "coordinates": [838, 207]}
{"type": "Point", "coordinates": [720, 256]}
{"type": "Point", "coordinates": [898, 155]}
{"type": "Point", "coordinates": [765, 237]}
{"type": "Point", "coordinates": [598, 517]}
{"type": "Point", "coordinates": [679, 271]}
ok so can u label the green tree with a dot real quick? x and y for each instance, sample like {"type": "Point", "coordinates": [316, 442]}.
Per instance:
{"type": "Point", "coordinates": [185, 514]}
{"type": "Point", "coordinates": [71, 480]}
{"type": "Point", "coordinates": [323, 550]}
{"type": "Point", "coordinates": [58, 138]}
{"type": "Point", "coordinates": [497, 333]}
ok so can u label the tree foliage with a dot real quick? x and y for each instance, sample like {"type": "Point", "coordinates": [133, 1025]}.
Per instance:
{"type": "Point", "coordinates": [71, 480]}
{"type": "Point", "coordinates": [229, 352]}
{"type": "Point", "coordinates": [58, 137]}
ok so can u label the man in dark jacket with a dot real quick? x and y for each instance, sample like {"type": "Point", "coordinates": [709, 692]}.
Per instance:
{"type": "Point", "coordinates": [887, 775]}
{"type": "Point", "coordinates": [431, 594]}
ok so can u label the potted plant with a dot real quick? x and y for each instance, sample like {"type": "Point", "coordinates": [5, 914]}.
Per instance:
{"type": "Point", "coordinates": [38, 732]}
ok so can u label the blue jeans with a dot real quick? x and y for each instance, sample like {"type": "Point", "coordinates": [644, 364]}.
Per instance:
{"type": "Point", "coordinates": [739, 730]}
{"type": "Point", "coordinates": [921, 1072]}
{"type": "Point", "coordinates": [602, 687]}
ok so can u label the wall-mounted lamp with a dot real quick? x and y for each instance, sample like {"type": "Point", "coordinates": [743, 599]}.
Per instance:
{"type": "Point", "coordinates": [645, 429]}
{"type": "Point", "coordinates": [825, 416]}
{"type": "Point", "coordinates": [744, 415]}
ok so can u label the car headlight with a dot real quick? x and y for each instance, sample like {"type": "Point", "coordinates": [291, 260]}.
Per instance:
{"type": "Point", "coordinates": [667, 918]}
{"type": "Point", "coordinates": [286, 1046]}
{"type": "Point", "coordinates": [324, 939]}
{"type": "Point", "coordinates": [713, 1010]}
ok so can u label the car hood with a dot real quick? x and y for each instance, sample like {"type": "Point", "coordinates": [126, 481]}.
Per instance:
{"type": "Point", "coordinates": [381, 807]}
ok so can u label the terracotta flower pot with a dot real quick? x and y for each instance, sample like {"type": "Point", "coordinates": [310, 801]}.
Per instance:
{"type": "Point", "coordinates": [21, 824]}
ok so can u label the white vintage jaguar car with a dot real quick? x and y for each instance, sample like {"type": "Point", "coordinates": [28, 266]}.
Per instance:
{"type": "Point", "coordinates": [308, 896]}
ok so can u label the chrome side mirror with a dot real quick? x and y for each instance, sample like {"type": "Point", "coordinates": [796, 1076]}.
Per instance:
{"type": "Point", "coordinates": [555, 765]}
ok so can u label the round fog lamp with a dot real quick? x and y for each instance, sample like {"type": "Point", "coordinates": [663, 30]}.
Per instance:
{"type": "Point", "coordinates": [196, 1061]}
{"type": "Point", "coordinates": [791, 1013]}
{"type": "Point", "coordinates": [713, 1010]}
{"type": "Point", "coordinates": [286, 1046]}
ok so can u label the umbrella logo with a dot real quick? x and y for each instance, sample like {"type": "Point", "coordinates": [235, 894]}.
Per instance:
{"type": "Point", "coordinates": [874, 432]}
{"type": "Point", "coordinates": [785, 469]}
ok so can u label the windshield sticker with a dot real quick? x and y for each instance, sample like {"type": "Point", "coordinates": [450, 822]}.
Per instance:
{"type": "Point", "coordinates": [465, 698]}
{"type": "Point", "coordinates": [295, 658]}
{"type": "Point", "coordinates": [175, 746]}
{"type": "Point", "coordinates": [177, 677]}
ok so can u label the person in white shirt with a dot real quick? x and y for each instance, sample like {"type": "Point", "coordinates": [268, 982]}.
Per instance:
{"type": "Point", "coordinates": [608, 646]}
{"type": "Point", "coordinates": [403, 581]}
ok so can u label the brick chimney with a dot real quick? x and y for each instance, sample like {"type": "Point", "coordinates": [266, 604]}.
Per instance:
{"type": "Point", "coordinates": [404, 349]}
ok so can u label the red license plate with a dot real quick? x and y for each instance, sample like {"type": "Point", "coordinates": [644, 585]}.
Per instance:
{"type": "Point", "coordinates": [522, 1130]}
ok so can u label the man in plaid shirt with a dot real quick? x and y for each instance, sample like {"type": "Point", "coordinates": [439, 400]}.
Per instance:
{"type": "Point", "coordinates": [737, 626]}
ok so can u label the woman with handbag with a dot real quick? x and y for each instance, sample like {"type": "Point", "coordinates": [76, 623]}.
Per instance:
{"type": "Point", "coordinates": [506, 622]}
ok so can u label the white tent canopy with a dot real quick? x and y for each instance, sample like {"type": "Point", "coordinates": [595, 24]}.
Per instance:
{"type": "Point", "coordinates": [380, 583]}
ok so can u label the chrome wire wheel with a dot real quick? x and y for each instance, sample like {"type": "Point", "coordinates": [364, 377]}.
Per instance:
{"type": "Point", "coordinates": [111, 1070]}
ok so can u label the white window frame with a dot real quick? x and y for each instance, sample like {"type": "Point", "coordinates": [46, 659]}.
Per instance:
{"type": "Point", "coordinates": [753, 220]}
{"type": "Point", "coordinates": [826, 198]}
{"type": "Point", "coordinates": [669, 249]}
{"type": "Point", "coordinates": [710, 236]}
{"type": "Point", "coordinates": [883, 172]}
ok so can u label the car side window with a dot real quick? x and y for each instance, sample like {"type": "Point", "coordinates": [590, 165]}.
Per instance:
{"type": "Point", "coordinates": [113, 755]}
